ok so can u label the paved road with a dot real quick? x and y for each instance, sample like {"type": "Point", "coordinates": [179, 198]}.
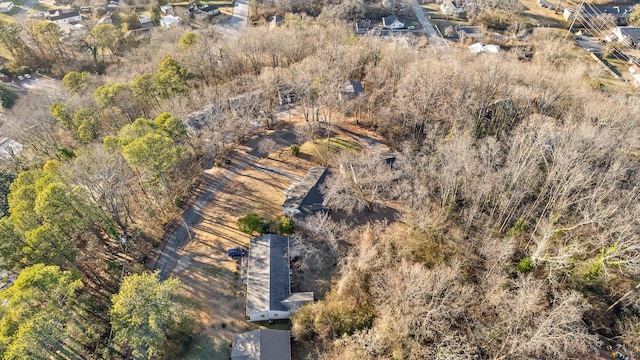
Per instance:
{"type": "Point", "coordinates": [26, 6]}
{"type": "Point", "coordinates": [431, 32]}
{"type": "Point", "coordinates": [236, 23]}
{"type": "Point", "coordinates": [590, 44]}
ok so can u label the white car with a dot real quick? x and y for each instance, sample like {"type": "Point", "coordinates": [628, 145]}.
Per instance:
{"type": "Point", "coordinates": [20, 77]}
{"type": "Point", "coordinates": [28, 76]}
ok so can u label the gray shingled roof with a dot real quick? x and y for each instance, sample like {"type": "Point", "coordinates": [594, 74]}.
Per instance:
{"type": "Point", "coordinates": [306, 196]}
{"type": "Point", "coordinates": [268, 274]}
{"type": "Point", "coordinates": [388, 20]}
{"type": "Point", "coordinates": [65, 15]}
{"type": "Point", "coordinates": [262, 345]}
{"type": "Point", "coordinates": [632, 32]}
{"type": "Point", "coordinates": [352, 88]}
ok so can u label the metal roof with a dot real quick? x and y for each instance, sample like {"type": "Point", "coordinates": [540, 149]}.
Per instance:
{"type": "Point", "coordinates": [268, 274]}
{"type": "Point", "coordinates": [306, 195]}
{"type": "Point", "coordinates": [262, 345]}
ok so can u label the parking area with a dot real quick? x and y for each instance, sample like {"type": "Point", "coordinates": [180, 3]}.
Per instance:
{"type": "Point", "coordinates": [589, 44]}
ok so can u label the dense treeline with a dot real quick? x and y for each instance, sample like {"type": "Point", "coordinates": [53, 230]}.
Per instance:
{"type": "Point", "coordinates": [516, 211]}
{"type": "Point", "coordinates": [518, 221]}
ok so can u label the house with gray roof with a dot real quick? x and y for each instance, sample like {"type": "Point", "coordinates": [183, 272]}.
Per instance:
{"type": "Point", "coordinates": [304, 198]}
{"type": "Point", "coordinates": [61, 17]}
{"type": "Point", "coordinates": [263, 344]}
{"type": "Point", "coordinates": [269, 294]}
{"type": "Point", "coordinates": [392, 22]}
{"type": "Point", "coordinates": [350, 89]}
{"type": "Point", "coordinates": [627, 33]}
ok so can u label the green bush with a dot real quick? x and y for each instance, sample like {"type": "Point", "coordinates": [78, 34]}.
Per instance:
{"type": "Point", "coordinates": [252, 223]}
{"type": "Point", "coordinates": [285, 225]}
{"type": "Point", "coordinates": [525, 265]}
{"type": "Point", "coordinates": [295, 150]}
{"type": "Point", "coordinates": [519, 227]}
{"type": "Point", "coordinates": [8, 97]}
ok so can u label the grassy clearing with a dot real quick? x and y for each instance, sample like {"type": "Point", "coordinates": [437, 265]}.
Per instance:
{"type": "Point", "coordinates": [620, 65]}
{"type": "Point", "coordinates": [317, 151]}
{"type": "Point", "coordinates": [204, 348]}
{"type": "Point", "coordinates": [42, 7]}
{"type": "Point", "coordinates": [542, 16]}
{"type": "Point", "coordinates": [6, 18]}
{"type": "Point", "coordinates": [339, 144]}
{"type": "Point", "coordinates": [220, 3]}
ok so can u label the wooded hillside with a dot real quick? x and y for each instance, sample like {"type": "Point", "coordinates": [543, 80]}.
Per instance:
{"type": "Point", "coordinates": [512, 227]}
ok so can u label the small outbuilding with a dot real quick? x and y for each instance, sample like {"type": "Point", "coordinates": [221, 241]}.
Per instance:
{"type": "Point", "coordinates": [9, 148]}
{"type": "Point", "coordinates": [350, 89]}
{"type": "Point", "coordinates": [6, 6]}
{"type": "Point", "coordinates": [305, 198]}
{"type": "Point", "coordinates": [263, 344]}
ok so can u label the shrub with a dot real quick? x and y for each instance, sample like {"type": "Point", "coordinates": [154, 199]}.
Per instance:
{"type": "Point", "coordinates": [519, 227]}
{"type": "Point", "coordinates": [525, 265]}
{"type": "Point", "coordinates": [285, 225]}
{"type": "Point", "coordinates": [8, 97]}
{"type": "Point", "coordinates": [295, 150]}
{"type": "Point", "coordinates": [252, 223]}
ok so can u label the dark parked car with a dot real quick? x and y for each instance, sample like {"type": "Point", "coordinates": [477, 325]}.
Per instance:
{"type": "Point", "coordinates": [236, 252]}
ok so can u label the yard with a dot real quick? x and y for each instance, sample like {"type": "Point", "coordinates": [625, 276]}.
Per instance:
{"type": "Point", "coordinates": [211, 279]}
{"type": "Point", "coordinates": [540, 16]}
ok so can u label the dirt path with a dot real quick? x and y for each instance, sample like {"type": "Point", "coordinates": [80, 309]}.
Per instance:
{"type": "Point", "coordinates": [194, 215]}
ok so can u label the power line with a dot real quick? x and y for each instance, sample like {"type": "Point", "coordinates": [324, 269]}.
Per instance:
{"type": "Point", "coordinates": [590, 18]}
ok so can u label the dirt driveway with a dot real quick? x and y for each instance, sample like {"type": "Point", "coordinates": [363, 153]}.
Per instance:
{"type": "Point", "coordinates": [209, 276]}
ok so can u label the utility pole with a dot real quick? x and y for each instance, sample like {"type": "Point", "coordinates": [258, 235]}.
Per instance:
{"type": "Point", "coordinates": [575, 16]}
{"type": "Point", "coordinates": [558, 6]}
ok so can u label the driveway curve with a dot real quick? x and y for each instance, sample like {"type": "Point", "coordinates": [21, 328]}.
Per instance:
{"type": "Point", "coordinates": [236, 23]}
{"type": "Point", "coordinates": [193, 216]}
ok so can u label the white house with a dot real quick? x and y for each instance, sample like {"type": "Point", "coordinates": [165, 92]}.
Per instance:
{"type": "Point", "coordinates": [625, 33]}
{"type": "Point", "coordinates": [169, 21]}
{"type": "Point", "coordinates": [450, 8]}
{"type": "Point", "coordinates": [166, 9]}
{"type": "Point", "coordinates": [60, 17]}
{"type": "Point", "coordinates": [269, 294]}
{"type": "Point", "coordinates": [392, 22]}
{"type": "Point", "coordinates": [6, 6]}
